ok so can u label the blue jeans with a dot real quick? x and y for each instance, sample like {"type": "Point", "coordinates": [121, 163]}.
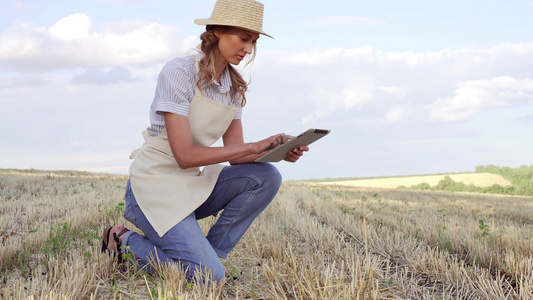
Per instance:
{"type": "Point", "coordinates": [242, 192]}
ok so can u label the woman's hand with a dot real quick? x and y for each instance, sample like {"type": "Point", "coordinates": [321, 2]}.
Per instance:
{"type": "Point", "coordinates": [270, 143]}
{"type": "Point", "coordinates": [277, 140]}
{"type": "Point", "coordinates": [295, 154]}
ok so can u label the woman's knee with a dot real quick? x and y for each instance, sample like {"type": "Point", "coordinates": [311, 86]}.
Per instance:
{"type": "Point", "coordinates": [218, 272]}
{"type": "Point", "coordinates": [270, 175]}
{"type": "Point", "coordinates": [204, 272]}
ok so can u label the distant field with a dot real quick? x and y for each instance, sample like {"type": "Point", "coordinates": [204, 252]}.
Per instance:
{"type": "Point", "coordinates": [477, 179]}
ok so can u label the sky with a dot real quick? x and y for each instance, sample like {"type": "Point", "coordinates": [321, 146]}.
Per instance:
{"type": "Point", "coordinates": [406, 87]}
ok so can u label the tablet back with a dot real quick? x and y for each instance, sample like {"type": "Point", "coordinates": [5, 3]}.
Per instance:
{"type": "Point", "coordinates": [304, 139]}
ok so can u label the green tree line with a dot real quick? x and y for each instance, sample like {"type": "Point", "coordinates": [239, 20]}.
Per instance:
{"type": "Point", "coordinates": [521, 178]}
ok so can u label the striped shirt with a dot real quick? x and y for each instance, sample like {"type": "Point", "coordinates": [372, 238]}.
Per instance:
{"type": "Point", "coordinates": [176, 87]}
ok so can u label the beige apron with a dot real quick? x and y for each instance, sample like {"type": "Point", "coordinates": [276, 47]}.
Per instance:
{"type": "Point", "coordinates": [166, 193]}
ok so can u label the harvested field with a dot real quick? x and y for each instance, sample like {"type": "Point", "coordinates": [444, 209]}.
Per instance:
{"type": "Point", "coordinates": [477, 179]}
{"type": "Point", "coordinates": [312, 242]}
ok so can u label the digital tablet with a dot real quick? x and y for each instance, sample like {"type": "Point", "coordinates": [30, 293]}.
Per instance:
{"type": "Point", "coordinates": [304, 139]}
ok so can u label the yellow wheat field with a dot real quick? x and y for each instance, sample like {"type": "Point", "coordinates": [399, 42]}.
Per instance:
{"type": "Point", "coordinates": [477, 179]}
{"type": "Point", "coordinates": [312, 242]}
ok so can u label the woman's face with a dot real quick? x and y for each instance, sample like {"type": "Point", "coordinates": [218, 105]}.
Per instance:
{"type": "Point", "coordinates": [234, 44]}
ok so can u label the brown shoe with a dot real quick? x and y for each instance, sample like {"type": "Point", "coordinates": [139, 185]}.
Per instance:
{"type": "Point", "coordinates": [113, 245]}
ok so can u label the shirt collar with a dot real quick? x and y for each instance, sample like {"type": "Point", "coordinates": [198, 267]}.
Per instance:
{"type": "Point", "coordinates": [225, 81]}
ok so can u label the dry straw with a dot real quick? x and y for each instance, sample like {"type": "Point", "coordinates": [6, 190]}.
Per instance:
{"type": "Point", "coordinates": [310, 243]}
{"type": "Point", "coordinates": [247, 14]}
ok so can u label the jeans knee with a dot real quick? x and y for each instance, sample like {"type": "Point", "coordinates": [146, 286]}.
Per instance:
{"type": "Point", "coordinates": [271, 176]}
{"type": "Point", "coordinates": [205, 273]}
{"type": "Point", "coordinates": [219, 273]}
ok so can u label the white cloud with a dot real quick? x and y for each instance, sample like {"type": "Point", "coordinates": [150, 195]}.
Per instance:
{"type": "Point", "coordinates": [354, 98]}
{"type": "Point", "coordinates": [396, 113]}
{"type": "Point", "coordinates": [344, 20]}
{"type": "Point", "coordinates": [111, 76]}
{"type": "Point", "coordinates": [327, 56]}
{"type": "Point", "coordinates": [379, 85]}
{"type": "Point", "coordinates": [365, 91]}
{"type": "Point", "coordinates": [476, 95]}
{"type": "Point", "coordinates": [398, 91]}
{"type": "Point", "coordinates": [329, 101]}
{"type": "Point", "coordinates": [75, 42]}
{"type": "Point", "coordinates": [452, 60]}
{"type": "Point", "coordinates": [74, 27]}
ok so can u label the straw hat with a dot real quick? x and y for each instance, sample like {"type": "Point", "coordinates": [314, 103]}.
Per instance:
{"type": "Point", "coordinates": [247, 14]}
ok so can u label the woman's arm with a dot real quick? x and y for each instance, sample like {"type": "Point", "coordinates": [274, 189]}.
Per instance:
{"type": "Point", "coordinates": [234, 135]}
{"type": "Point", "coordinates": [188, 155]}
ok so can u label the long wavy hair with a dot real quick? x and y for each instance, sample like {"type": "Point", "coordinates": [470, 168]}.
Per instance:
{"type": "Point", "coordinates": [207, 65]}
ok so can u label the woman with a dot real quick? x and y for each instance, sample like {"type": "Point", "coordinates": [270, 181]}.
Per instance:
{"type": "Point", "coordinates": [198, 100]}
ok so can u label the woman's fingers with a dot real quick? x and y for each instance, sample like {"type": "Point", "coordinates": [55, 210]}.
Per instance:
{"type": "Point", "coordinates": [280, 139]}
{"type": "Point", "coordinates": [296, 153]}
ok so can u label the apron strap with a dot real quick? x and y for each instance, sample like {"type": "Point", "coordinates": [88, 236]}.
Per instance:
{"type": "Point", "coordinates": [229, 98]}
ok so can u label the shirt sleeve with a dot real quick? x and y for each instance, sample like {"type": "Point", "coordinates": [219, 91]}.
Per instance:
{"type": "Point", "coordinates": [175, 88]}
{"type": "Point", "coordinates": [238, 114]}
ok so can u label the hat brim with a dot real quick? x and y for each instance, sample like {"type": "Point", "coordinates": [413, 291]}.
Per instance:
{"type": "Point", "coordinates": [216, 22]}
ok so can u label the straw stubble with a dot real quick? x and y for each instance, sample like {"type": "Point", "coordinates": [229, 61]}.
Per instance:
{"type": "Point", "coordinates": [310, 243]}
